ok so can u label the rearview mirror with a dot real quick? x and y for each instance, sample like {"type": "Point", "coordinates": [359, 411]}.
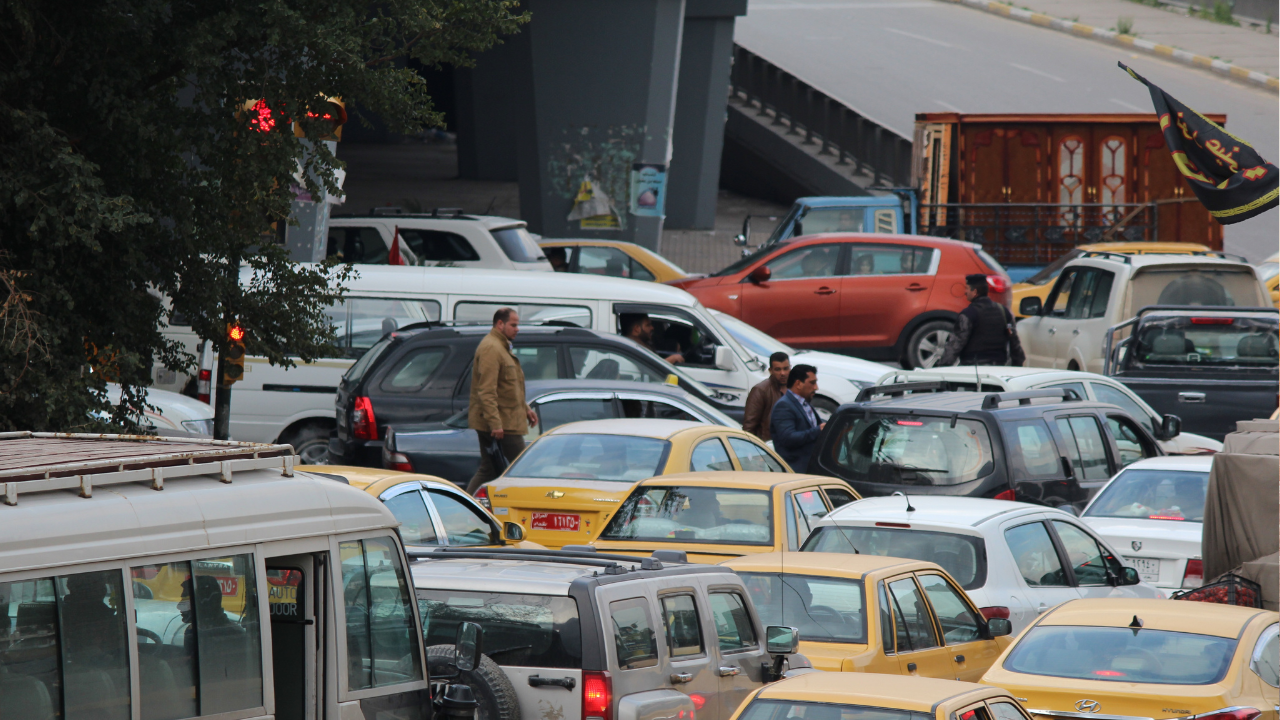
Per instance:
{"type": "Point", "coordinates": [512, 531]}
{"type": "Point", "coordinates": [781, 640]}
{"type": "Point", "coordinates": [745, 237]}
{"type": "Point", "coordinates": [760, 274]}
{"type": "Point", "coordinates": [999, 627]}
{"type": "Point", "coordinates": [1170, 427]}
{"type": "Point", "coordinates": [466, 647]}
{"type": "Point", "coordinates": [724, 358]}
{"type": "Point", "coordinates": [1129, 576]}
{"type": "Point", "coordinates": [1029, 306]}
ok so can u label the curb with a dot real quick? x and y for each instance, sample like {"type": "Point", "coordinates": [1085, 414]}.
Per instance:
{"type": "Point", "coordinates": [1235, 72]}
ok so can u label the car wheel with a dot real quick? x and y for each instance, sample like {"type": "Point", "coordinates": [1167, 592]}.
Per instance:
{"type": "Point", "coordinates": [310, 443]}
{"type": "Point", "coordinates": [489, 684]}
{"type": "Point", "coordinates": [925, 347]}
{"type": "Point", "coordinates": [824, 408]}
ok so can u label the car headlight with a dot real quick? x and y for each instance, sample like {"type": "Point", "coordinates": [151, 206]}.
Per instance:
{"type": "Point", "coordinates": [199, 427]}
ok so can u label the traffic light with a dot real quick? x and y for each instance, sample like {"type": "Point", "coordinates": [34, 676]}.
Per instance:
{"type": "Point", "coordinates": [233, 356]}
{"type": "Point", "coordinates": [332, 109]}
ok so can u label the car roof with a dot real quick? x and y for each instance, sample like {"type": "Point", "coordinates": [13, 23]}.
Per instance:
{"type": "Point", "coordinates": [958, 401]}
{"type": "Point", "coordinates": [1172, 615]}
{"type": "Point", "coordinates": [740, 479]}
{"type": "Point", "coordinates": [482, 328]}
{"type": "Point", "coordinates": [1144, 247]}
{"type": "Point", "coordinates": [1189, 463]}
{"type": "Point", "coordinates": [927, 240]}
{"type": "Point", "coordinates": [843, 565]}
{"type": "Point", "coordinates": [530, 576]}
{"type": "Point", "coordinates": [999, 372]}
{"type": "Point", "coordinates": [638, 427]}
{"type": "Point", "coordinates": [899, 692]}
{"type": "Point", "coordinates": [942, 511]}
{"type": "Point", "coordinates": [1157, 259]}
{"type": "Point", "coordinates": [366, 478]}
{"type": "Point", "coordinates": [490, 222]}
{"type": "Point", "coordinates": [535, 388]}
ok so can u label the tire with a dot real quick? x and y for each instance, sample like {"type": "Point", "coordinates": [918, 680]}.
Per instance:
{"type": "Point", "coordinates": [925, 347]}
{"type": "Point", "coordinates": [824, 408]}
{"type": "Point", "coordinates": [310, 443]}
{"type": "Point", "coordinates": [494, 692]}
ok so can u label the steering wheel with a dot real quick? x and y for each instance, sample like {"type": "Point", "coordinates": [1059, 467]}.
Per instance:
{"type": "Point", "coordinates": [150, 635]}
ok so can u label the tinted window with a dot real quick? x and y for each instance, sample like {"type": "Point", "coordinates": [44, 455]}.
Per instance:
{"type": "Point", "coordinates": [637, 408]}
{"type": "Point", "coordinates": [680, 619]}
{"type": "Point", "coordinates": [633, 638]}
{"type": "Point", "coordinates": [381, 647]}
{"type": "Point", "coordinates": [1121, 655]}
{"type": "Point", "coordinates": [1108, 394]}
{"type": "Point", "coordinates": [964, 557]}
{"type": "Point", "coordinates": [832, 219]}
{"type": "Point", "coordinates": [539, 362]}
{"type": "Point", "coordinates": [517, 244]}
{"type": "Point", "coordinates": [1153, 494]}
{"type": "Point", "coordinates": [523, 630]}
{"type": "Point", "coordinates": [693, 515]}
{"type": "Point", "coordinates": [554, 413]}
{"type": "Point", "coordinates": [1192, 341]}
{"type": "Point", "coordinates": [412, 371]}
{"type": "Point", "coordinates": [410, 509]}
{"type": "Point", "coordinates": [436, 247]}
{"type": "Point", "coordinates": [914, 450]}
{"type": "Point", "coordinates": [889, 259]}
{"type": "Point", "coordinates": [357, 245]}
{"type": "Point", "coordinates": [710, 455]}
{"type": "Point", "coordinates": [595, 363]}
{"type": "Point", "coordinates": [357, 370]}
{"type": "Point", "coordinates": [754, 457]}
{"type": "Point", "coordinates": [733, 623]}
{"type": "Point", "coordinates": [959, 625]}
{"type": "Point", "coordinates": [824, 609]}
{"type": "Point", "coordinates": [604, 261]}
{"type": "Point", "coordinates": [1032, 453]}
{"type": "Point", "coordinates": [1034, 553]}
{"type": "Point", "coordinates": [789, 710]}
{"type": "Point", "coordinates": [619, 458]}
{"type": "Point", "coordinates": [1083, 553]}
{"type": "Point", "coordinates": [1088, 294]}
{"type": "Point", "coordinates": [481, 313]}
{"type": "Point", "coordinates": [1196, 286]}
{"type": "Point", "coordinates": [463, 523]}
{"type": "Point", "coordinates": [1129, 441]}
{"type": "Point", "coordinates": [814, 261]}
{"type": "Point", "coordinates": [838, 496]}
{"type": "Point", "coordinates": [911, 617]}
{"type": "Point", "coordinates": [1085, 446]}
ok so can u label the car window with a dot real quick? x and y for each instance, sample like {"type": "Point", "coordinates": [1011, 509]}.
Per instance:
{"type": "Point", "coordinates": [633, 638]}
{"type": "Point", "coordinates": [437, 247]}
{"type": "Point", "coordinates": [1032, 454]}
{"type": "Point", "coordinates": [1175, 495]}
{"type": "Point", "coordinates": [710, 455]}
{"type": "Point", "coordinates": [1085, 446]}
{"type": "Point", "coordinates": [412, 371]}
{"type": "Point", "coordinates": [463, 524]}
{"type": "Point", "coordinates": [381, 645]}
{"type": "Point", "coordinates": [889, 259]}
{"type": "Point", "coordinates": [554, 412]}
{"type": "Point", "coordinates": [685, 515]}
{"type": "Point", "coordinates": [1035, 555]}
{"type": "Point", "coordinates": [517, 244]}
{"type": "Point", "coordinates": [734, 630]}
{"type": "Point", "coordinates": [619, 458]}
{"type": "Point", "coordinates": [539, 362]}
{"type": "Point", "coordinates": [887, 633]}
{"type": "Point", "coordinates": [596, 363]}
{"type": "Point", "coordinates": [1083, 553]}
{"type": "Point", "coordinates": [410, 509]}
{"type": "Point", "coordinates": [1229, 286]}
{"type": "Point", "coordinates": [823, 609]}
{"type": "Point", "coordinates": [639, 408]}
{"type": "Point", "coordinates": [1006, 711]}
{"type": "Point", "coordinates": [1219, 341]}
{"type": "Point", "coordinates": [1077, 386]}
{"type": "Point", "coordinates": [680, 620]}
{"type": "Point", "coordinates": [959, 625]}
{"type": "Point", "coordinates": [679, 333]}
{"type": "Point", "coordinates": [1121, 655]}
{"type": "Point", "coordinates": [1056, 303]}
{"type": "Point", "coordinates": [638, 271]}
{"type": "Point", "coordinates": [361, 322]}
{"type": "Point", "coordinates": [481, 313]}
{"type": "Point", "coordinates": [832, 219]}
{"type": "Point", "coordinates": [1129, 441]}
{"type": "Point", "coordinates": [762, 709]}
{"type": "Point", "coordinates": [539, 631]}
{"type": "Point", "coordinates": [964, 557]}
{"type": "Point", "coordinates": [1110, 394]}
{"type": "Point", "coordinates": [357, 245]}
{"type": "Point", "coordinates": [912, 449]}
{"type": "Point", "coordinates": [753, 457]}
{"type": "Point", "coordinates": [838, 496]}
{"type": "Point", "coordinates": [1266, 656]}
{"type": "Point", "coordinates": [914, 626]}
{"type": "Point", "coordinates": [813, 261]}
{"type": "Point", "coordinates": [604, 261]}
{"type": "Point", "coordinates": [1089, 294]}
{"type": "Point", "coordinates": [812, 508]}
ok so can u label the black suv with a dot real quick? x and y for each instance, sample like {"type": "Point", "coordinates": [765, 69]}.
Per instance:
{"type": "Point", "coordinates": [422, 373]}
{"type": "Point", "coordinates": [1041, 446]}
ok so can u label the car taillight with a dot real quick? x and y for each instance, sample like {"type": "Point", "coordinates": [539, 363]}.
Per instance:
{"type": "Point", "coordinates": [364, 426]}
{"type": "Point", "coordinates": [1193, 576]}
{"type": "Point", "coordinates": [995, 611]}
{"type": "Point", "coordinates": [998, 284]}
{"type": "Point", "coordinates": [397, 461]}
{"type": "Point", "coordinates": [597, 695]}
{"type": "Point", "coordinates": [482, 497]}
{"type": "Point", "coordinates": [1232, 713]}
{"type": "Point", "coordinates": [1006, 495]}
{"type": "Point", "coordinates": [204, 386]}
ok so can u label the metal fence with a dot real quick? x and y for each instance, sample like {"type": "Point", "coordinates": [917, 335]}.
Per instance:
{"type": "Point", "coordinates": [842, 131]}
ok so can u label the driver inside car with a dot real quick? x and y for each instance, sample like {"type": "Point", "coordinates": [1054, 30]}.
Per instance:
{"type": "Point", "coordinates": [639, 327]}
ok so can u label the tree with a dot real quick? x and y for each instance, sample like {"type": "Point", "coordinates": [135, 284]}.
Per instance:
{"type": "Point", "coordinates": [147, 149]}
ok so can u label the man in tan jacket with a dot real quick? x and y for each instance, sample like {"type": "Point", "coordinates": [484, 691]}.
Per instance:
{"type": "Point", "coordinates": [766, 393]}
{"type": "Point", "coordinates": [498, 410]}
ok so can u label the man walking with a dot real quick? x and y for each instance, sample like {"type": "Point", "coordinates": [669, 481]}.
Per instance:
{"type": "Point", "coordinates": [498, 410]}
{"type": "Point", "coordinates": [984, 334]}
{"type": "Point", "coordinates": [765, 395]}
{"type": "Point", "coordinates": [794, 425]}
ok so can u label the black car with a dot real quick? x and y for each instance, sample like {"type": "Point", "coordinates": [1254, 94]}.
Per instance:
{"type": "Point", "coordinates": [422, 373]}
{"type": "Point", "coordinates": [450, 450]}
{"type": "Point", "coordinates": [1039, 446]}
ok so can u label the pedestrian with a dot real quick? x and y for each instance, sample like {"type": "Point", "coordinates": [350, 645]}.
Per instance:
{"type": "Point", "coordinates": [765, 394]}
{"type": "Point", "coordinates": [984, 334]}
{"type": "Point", "coordinates": [794, 425]}
{"type": "Point", "coordinates": [498, 410]}
{"type": "Point", "coordinates": [639, 327]}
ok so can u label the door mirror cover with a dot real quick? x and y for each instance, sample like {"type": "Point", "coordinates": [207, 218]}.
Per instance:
{"type": "Point", "coordinates": [467, 646]}
{"type": "Point", "coordinates": [760, 274]}
{"type": "Point", "coordinates": [1129, 576]}
{"type": "Point", "coordinates": [1029, 306]}
{"type": "Point", "coordinates": [999, 627]}
{"type": "Point", "coordinates": [724, 358]}
{"type": "Point", "coordinates": [1170, 427]}
{"type": "Point", "coordinates": [512, 531]}
{"type": "Point", "coordinates": [781, 640]}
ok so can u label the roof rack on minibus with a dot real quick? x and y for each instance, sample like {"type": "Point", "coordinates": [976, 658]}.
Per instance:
{"type": "Point", "coordinates": [33, 462]}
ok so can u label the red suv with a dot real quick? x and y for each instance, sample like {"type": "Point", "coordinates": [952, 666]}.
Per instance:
{"type": "Point", "coordinates": [882, 297]}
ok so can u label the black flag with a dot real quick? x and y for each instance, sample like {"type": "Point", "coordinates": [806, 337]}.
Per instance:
{"type": "Point", "coordinates": [1226, 173]}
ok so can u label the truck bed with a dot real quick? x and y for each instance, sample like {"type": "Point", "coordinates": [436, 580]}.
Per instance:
{"type": "Point", "coordinates": [1208, 403]}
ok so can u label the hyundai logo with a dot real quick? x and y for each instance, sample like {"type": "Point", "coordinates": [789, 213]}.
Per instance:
{"type": "Point", "coordinates": [1089, 706]}
{"type": "Point", "coordinates": [1136, 544]}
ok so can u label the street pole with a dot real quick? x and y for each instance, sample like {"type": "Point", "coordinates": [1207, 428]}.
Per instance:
{"type": "Point", "coordinates": [221, 405]}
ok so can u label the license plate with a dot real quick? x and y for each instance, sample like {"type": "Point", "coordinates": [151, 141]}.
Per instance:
{"type": "Point", "coordinates": [1148, 568]}
{"type": "Point", "coordinates": [567, 522]}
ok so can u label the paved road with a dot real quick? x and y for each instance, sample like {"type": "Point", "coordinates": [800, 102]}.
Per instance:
{"type": "Point", "coordinates": [893, 58]}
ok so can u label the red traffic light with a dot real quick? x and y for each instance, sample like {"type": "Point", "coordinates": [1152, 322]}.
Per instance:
{"type": "Point", "coordinates": [260, 117]}
{"type": "Point", "coordinates": [235, 332]}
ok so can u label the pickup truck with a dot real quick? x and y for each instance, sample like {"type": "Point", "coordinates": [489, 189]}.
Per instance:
{"type": "Point", "coordinates": [1210, 366]}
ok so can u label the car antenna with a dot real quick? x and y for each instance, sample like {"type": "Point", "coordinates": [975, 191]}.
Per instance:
{"type": "Point", "coordinates": [1136, 625]}
{"type": "Point", "coordinates": [977, 381]}
{"type": "Point", "coordinates": [909, 508]}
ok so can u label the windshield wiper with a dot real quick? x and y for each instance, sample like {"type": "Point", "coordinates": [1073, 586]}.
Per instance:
{"type": "Point", "coordinates": [913, 468]}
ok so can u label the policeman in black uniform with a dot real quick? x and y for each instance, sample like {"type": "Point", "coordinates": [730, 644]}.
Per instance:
{"type": "Point", "coordinates": [984, 334]}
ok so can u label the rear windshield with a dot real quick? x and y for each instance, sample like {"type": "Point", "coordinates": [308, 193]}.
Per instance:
{"type": "Point", "coordinates": [1154, 495]}
{"type": "Point", "coordinates": [823, 609]}
{"type": "Point", "coordinates": [518, 244]}
{"type": "Point", "coordinates": [694, 515]}
{"type": "Point", "coordinates": [357, 371]}
{"type": "Point", "coordinates": [523, 630]}
{"type": "Point", "coordinates": [1122, 655]}
{"type": "Point", "coordinates": [1196, 286]}
{"type": "Point", "coordinates": [1212, 340]}
{"type": "Point", "coordinates": [992, 264]}
{"type": "Point", "coordinates": [964, 557]}
{"type": "Point", "coordinates": [912, 449]}
{"type": "Point", "coordinates": [793, 710]}
{"type": "Point", "coordinates": [619, 458]}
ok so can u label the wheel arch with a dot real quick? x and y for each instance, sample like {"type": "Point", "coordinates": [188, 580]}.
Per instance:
{"type": "Point", "coordinates": [900, 346]}
{"type": "Point", "coordinates": [298, 424]}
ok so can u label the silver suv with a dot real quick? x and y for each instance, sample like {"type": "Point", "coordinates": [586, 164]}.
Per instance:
{"type": "Point", "coordinates": [575, 635]}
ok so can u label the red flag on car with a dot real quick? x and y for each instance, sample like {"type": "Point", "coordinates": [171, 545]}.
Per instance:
{"type": "Point", "coordinates": [393, 258]}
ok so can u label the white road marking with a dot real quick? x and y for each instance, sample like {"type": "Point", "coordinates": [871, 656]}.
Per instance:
{"type": "Point", "coordinates": [1131, 106]}
{"type": "Point", "coordinates": [923, 38]}
{"type": "Point", "coordinates": [948, 106]}
{"type": "Point", "coordinates": [1034, 71]}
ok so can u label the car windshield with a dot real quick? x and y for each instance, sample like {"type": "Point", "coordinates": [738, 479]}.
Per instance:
{"type": "Point", "coordinates": [694, 515]}
{"type": "Point", "coordinates": [518, 244]}
{"type": "Point", "coordinates": [524, 630]}
{"type": "Point", "coordinates": [794, 710]}
{"type": "Point", "coordinates": [831, 220]}
{"type": "Point", "coordinates": [912, 449]}
{"type": "Point", "coordinates": [620, 458]}
{"type": "Point", "coordinates": [1153, 494]}
{"type": "Point", "coordinates": [1221, 286]}
{"type": "Point", "coordinates": [1054, 269]}
{"type": "Point", "coordinates": [1213, 340]}
{"type": "Point", "coordinates": [757, 341]}
{"type": "Point", "coordinates": [823, 609]}
{"type": "Point", "coordinates": [1121, 654]}
{"type": "Point", "coordinates": [964, 557]}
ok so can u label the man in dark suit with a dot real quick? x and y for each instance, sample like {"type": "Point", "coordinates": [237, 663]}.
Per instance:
{"type": "Point", "coordinates": [793, 424]}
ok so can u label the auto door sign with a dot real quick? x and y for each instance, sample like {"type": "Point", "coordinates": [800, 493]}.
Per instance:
{"type": "Point", "coordinates": [648, 190]}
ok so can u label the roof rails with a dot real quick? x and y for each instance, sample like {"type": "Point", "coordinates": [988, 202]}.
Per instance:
{"type": "Point", "coordinates": [611, 563]}
{"type": "Point", "coordinates": [1024, 397]}
{"type": "Point", "coordinates": [435, 213]}
{"type": "Point", "coordinates": [32, 462]}
{"type": "Point", "coordinates": [1126, 259]}
{"type": "Point", "coordinates": [1203, 309]}
{"type": "Point", "coordinates": [901, 389]}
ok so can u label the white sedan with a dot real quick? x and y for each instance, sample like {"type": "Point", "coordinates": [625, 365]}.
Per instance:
{"type": "Point", "coordinates": [1015, 560]}
{"type": "Point", "coordinates": [1153, 511]}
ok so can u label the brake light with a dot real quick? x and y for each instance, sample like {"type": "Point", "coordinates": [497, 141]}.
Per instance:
{"type": "Point", "coordinates": [204, 386]}
{"type": "Point", "coordinates": [397, 461]}
{"type": "Point", "coordinates": [995, 611]}
{"type": "Point", "coordinates": [698, 701]}
{"type": "Point", "coordinates": [597, 695]}
{"type": "Point", "coordinates": [482, 497]}
{"type": "Point", "coordinates": [1165, 517]}
{"type": "Point", "coordinates": [913, 423]}
{"type": "Point", "coordinates": [1212, 321]}
{"type": "Point", "coordinates": [998, 283]}
{"type": "Point", "coordinates": [895, 525]}
{"type": "Point", "coordinates": [1108, 673]}
{"type": "Point", "coordinates": [364, 426]}
{"type": "Point", "coordinates": [1006, 495]}
{"type": "Point", "coordinates": [1231, 713]}
{"type": "Point", "coordinates": [1193, 576]}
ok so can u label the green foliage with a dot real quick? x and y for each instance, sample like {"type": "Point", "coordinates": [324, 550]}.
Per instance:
{"type": "Point", "coordinates": [129, 172]}
{"type": "Point", "coordinates": [1124, 25]}
{"type": "Point", "coordinates": [1220, 13]}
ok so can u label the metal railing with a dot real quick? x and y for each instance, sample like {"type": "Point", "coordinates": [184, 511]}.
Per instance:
{"type": "Point", "coordinates": [842, 131]}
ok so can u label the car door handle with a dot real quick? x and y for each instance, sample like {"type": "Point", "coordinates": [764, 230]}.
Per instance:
{"type": "Point", "coordinates": [1053, 331]}
{"type": "Point", "coordinates": [567, 683]}
{"type": "Point", "coordinates": [1191, 397]}
{"type": "Point", "coordinates": [1040, 610]}
{"type": "Point", "coordinates": [678, 678]}
{"type": "Point", "coordinates": [959, 658]}
{"type": "Point", "coordinates": [824, 290]}
{"type": "Point", "coordinates": [730, 671]}
{"type": "Point", "coordinates": [916, 287]}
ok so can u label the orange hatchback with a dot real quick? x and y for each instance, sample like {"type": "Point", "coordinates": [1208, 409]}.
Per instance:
{"type": "Point", "coordinates": [881, 297]}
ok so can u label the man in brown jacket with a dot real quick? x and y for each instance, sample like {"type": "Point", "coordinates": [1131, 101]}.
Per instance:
{"type": "Point", "coordinates": [765, 395]}
{"type": "Point", "coordinates": [498, 410]}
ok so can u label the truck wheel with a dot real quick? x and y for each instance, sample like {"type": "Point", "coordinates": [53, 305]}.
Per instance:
{"type": "Point", "coordinates": [925, 347]}
{"type": "Point", "coordinates": [494, 692]}
{"type": "Point", "coordinates": [310, 443]}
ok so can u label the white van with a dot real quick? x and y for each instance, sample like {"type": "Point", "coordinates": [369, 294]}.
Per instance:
{"type": "Point", "coordinates": [206, 579]}
{"type": "Point", "coordinates": [296, 406]}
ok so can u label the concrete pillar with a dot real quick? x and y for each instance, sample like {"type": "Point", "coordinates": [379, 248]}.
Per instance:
{"type": "Point", "coordinates": [706, 57]}
{"type": "Point", "coordinates": [492, 98]}
{"type": "Point", "coordinates": [308, 241]}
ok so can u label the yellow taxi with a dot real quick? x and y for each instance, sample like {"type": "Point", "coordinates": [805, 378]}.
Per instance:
{"type": "Point", "coordinates": [831, 696]}
{"type": "Point", "coordinates": [1119, 659]}
{"type": "Point", "coordinates": [613, 258]}
{"type": "Point", "coordinates": [1041, 283]}
{"type": "Point", "coordinates": [433, 512]}
{"type": "Point", "coordinates": [566, 484]}
{"type": "Point", "coordinates": [874, 614]}
{"type": "Point", "coordinates": [717, 515]}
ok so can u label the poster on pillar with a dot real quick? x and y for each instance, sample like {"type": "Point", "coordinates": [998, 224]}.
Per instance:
{"type": "Point", "coordinates": [592, 208]}
{"type": "Point", "coordinates": [648, 190]}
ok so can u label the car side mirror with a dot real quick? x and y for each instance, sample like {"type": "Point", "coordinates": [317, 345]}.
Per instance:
{"type": "Point", "coordinates": [724, 358]}
{"type": "Point", "coordinates": [760, 274]}
{"type": "Point", "coordinates": [999, 627]}
{"type": "Point", "coordinates": [512, 532]}
{"type": "Point", "coordinates": [1129, 576]}
{"type": "Point", "coordinates": [467, 647]}
{"type": "Point", "coordinates": [1029, 306]}
{"type": "Point", "coordinates": [781, 640]}
{"type": "Point", "coordinates": [744, 238]}
{"type": "Point", "coordinates": [1170, 427]}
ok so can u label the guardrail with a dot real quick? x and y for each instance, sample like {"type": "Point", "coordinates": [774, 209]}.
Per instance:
{"type": "Point", "coordinates": [843, 131]}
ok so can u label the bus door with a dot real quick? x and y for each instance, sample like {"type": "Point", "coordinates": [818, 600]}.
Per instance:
{"type": "Point", "coordinates": [294, 602]}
